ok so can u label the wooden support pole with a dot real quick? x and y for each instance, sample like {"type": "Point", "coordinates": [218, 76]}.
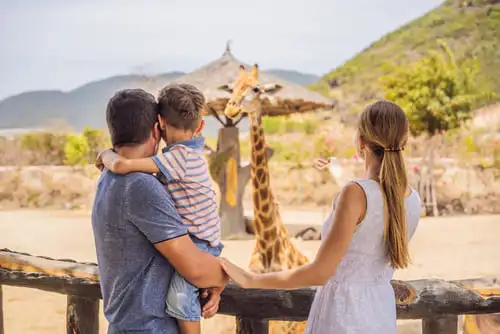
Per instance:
{"type": "Point", "coordinates": [440, 325]}
{"type": "Point", "coordinates": [251, 326]}
{"type": "Point", "coordinates": [1, 311]}
{"type": "Point", "coordinates": [82, 315]}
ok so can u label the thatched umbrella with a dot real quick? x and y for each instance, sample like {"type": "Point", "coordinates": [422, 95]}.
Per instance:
{"type": "Point", "coordinates": [292, 99]}
{"type": "Point", "coordinates": [225, 164]}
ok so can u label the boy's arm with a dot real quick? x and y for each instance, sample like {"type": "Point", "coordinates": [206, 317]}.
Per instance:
{"type": "Point", "coordinates": [119, 165]}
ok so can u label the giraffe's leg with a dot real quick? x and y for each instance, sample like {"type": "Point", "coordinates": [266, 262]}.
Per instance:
{"type": "Point", "coordinates": [256, 264]}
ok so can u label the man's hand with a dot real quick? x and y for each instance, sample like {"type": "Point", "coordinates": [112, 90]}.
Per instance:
{"type": "Point", "coordinates": [212, 305]}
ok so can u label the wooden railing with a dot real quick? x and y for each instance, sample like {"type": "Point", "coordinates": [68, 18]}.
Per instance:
{"type": "Point", "coordinates": [438, 303]}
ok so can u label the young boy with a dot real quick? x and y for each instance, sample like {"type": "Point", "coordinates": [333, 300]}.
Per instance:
{"type": "Point", "coordinates": [183, 169]}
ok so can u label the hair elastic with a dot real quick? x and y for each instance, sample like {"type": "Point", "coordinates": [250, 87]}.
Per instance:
{"type": "Point", "coordinates": [394, 149]}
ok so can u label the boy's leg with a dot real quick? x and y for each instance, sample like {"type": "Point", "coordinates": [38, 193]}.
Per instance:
{"type": "Point", "coordinates": [183, 304]}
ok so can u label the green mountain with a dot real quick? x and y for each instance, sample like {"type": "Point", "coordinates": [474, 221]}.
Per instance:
{"type": "Point", "coordinates": [85, 105]}
{"type": "Point", "coordinates": [299, 78]}
{"type": "Point", "coordinates": [470, 28]}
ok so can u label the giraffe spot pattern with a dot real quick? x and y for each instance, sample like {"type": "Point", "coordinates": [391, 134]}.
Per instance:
{"type": "Point", "coordinates": [259, 146]}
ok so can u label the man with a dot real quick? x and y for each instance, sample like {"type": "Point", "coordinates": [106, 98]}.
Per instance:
{"type": "Point", "coordinates": [136, 229]}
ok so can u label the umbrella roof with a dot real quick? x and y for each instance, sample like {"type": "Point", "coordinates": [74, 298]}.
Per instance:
{"type": "Point", "coordinates": [224, 70]}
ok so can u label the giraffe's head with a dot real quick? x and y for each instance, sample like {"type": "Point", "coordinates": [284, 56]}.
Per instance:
{"type": "Point", "coordinates": [246, 88]}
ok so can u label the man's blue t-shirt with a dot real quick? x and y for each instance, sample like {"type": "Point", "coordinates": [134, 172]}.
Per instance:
{"type": "Point", "coordinates": [131, 213]}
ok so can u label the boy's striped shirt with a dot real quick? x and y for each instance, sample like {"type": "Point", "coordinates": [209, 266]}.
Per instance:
{"type": "Point", "coordinates": [188, 181]}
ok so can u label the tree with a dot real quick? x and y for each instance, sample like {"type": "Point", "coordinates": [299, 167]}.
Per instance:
{"type": "Point", "coordinates": [437, 94]}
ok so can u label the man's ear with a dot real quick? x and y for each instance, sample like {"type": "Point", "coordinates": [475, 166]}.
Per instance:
{"type": "Point", "coordinates": [271, 88]}
{"type": "Point", "coordinates": [226, 88]}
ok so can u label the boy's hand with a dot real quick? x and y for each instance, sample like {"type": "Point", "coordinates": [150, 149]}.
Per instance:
{"type": "Point", "coordinates": [98, 162]}
{"type": "Point", "coordinates": [212, 305]}
{"type": "Point", "coordinates": [109, 159]}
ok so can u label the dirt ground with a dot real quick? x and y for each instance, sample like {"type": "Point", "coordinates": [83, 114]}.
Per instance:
{"type": "Point", "coordinates": [446, 248]}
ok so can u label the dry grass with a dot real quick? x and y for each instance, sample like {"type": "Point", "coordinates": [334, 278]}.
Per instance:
{"type": "Point", "coordinates": [47, 187]}
{"type": "Point", "coordinates": [459, 190]}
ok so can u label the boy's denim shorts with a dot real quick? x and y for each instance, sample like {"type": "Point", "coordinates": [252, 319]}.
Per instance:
{"type": "Point", "coordinates": [182, 297]}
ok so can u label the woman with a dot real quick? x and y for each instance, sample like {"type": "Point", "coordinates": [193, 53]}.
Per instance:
{"type": "Point", "coordinates": [365, 238]}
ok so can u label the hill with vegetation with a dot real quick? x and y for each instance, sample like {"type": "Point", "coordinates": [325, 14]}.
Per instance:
{"type": "Point", "coordinates": [470, 28]}
{"type": "Point", "coordinates": [85, 105]}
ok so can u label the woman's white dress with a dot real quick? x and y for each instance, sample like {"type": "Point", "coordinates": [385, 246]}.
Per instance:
{"type": "Point", "coordinates": [359, 298]}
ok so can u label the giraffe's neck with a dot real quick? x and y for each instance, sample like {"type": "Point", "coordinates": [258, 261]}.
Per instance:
{"type": "Point", "coordinates": [273, 250]}
{"type": "Point", "coordinates": [263, 201]}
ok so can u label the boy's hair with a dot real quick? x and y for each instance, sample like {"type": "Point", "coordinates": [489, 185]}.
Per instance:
{"type": "Point", "coordinates": [181, 106]}
{"type": "Point", "coordinates": [131, 115]}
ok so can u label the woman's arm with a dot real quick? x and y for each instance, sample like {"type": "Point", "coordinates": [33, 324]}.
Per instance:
{"type": "Point", "coordinates": [350, 210]}
{"type": "Point", "coordinates": [119, 165]}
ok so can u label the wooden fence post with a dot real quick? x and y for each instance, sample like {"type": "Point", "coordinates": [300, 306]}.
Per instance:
{"type": "Point", "coordinates": [440, 325]}
{"type": "Point", "coordinates": [1, 311]}
{"type": "Point", "coordinates": [251, 326]}
{"type": "Point", "coordinates": [82, 315]}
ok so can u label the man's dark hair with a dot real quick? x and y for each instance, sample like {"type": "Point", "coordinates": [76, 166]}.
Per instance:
{"type": "Point", "coordinates": [181, 106]}
{"type": "Point", "coordinates": [131, 115]}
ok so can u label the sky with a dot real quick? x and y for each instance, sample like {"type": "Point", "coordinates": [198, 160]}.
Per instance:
{"type": "Point", "coordinates": [61, 44]}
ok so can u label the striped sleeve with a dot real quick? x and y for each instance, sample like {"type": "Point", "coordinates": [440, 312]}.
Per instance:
{"type": "Point", "coordinates": [172, 164]}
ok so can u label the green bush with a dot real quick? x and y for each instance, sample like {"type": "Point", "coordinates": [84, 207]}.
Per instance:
{"type": "Point", "coordinates": [285, 124]}
{"type": "Point", "coordinates": [272, 125]}
{"type": "Point", "coordinates": [310, 126]}
{"type": "Point", "coordinates": [46, 147]}
{"type": "Point", "coordinates": [77, 150]}
{"type": "Point", "coordinates": [97, 140]}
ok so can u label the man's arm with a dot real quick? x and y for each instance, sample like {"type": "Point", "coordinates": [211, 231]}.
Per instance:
{"type": "Point", "coordinates": [151, 208]}
{"type": "Point", "coordinates": [199, 268]}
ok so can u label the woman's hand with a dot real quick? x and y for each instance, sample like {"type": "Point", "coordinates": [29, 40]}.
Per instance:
{"type": "Point", "coordinates": [239, 276]}
{"type": "Point", "coordinates": [321, 163]}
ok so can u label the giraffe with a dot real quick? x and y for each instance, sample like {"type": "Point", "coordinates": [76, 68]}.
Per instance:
{"type": "Point", "coordinates": [273, 250]}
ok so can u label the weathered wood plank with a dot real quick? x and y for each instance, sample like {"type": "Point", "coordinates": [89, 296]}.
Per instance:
{"type": "Point", "coordinates": [266, 304]}
{"type": "Point", "coordinates": [251, 326]}
{"type": "Point", "coordinates": [1, 311]}
{"type": "Point", "coordinates": [483, 323]}
{"type": "Point", "coordinates": [415, 299]}
{"type": "Point", "coordinates": [65, 285]}
{"type": "Point", "coordinates": [440, 325]}
{"type": "Point", "coordinates": [82, 315]}
{"type": "Point", "coordinates": [15, 261]}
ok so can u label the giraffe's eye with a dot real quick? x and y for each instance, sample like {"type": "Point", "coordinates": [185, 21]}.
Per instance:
{"type": "Point", "coordinates": [256, 90]}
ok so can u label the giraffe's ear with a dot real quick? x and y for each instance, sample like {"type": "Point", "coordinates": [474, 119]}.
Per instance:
{"type": "Point", "coordinates": [271, 88]}
{"type": "Point", "coordinates": [226, 88]}
{"type": "Point", "coordinates": [241, 71]}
